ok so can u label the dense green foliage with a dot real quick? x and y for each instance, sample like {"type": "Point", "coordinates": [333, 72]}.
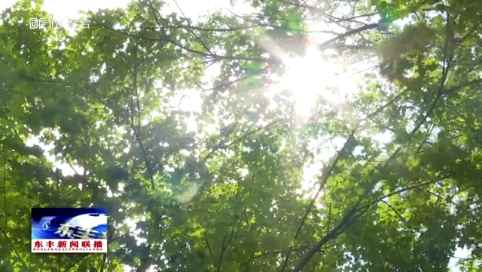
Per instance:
{"type": "Point", "coordinates": [226, 195]}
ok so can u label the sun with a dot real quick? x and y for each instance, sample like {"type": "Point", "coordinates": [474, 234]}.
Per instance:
{"type": "Point", "coordinates": [308, 78]}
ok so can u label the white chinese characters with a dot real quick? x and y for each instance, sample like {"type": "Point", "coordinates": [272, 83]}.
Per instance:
{"type": "Point", "coordinates": [42, 23]}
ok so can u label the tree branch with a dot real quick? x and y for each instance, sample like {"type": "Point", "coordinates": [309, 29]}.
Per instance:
{"type": "Point", "coordinates": [355, 212]}
{"type": "Point", "coordinates": [104, 262]}
{"type": "Point", "coordinates": [350, 217]}
{"type": "Point", "coordinates": [4, 230]}
{"type": "Point", "coordinates": [136, 128]}
{"type": "Point", "coordinates": [221, 255]}
{"type": "Point", "coordinates": [221, 145]}
{"type": "Point", "coordinates": [325, 176]}
{"type": "Point", "coordinates": [168, 39]}
{"type": "Point", "coordinates": [226, 243]}
{"type": "Point", "coordinates": [76, 262]}
{"type": "Point", "coordinates": [327, 44]}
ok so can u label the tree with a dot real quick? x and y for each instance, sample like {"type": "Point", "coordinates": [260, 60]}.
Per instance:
{"type": "Point", "coordinates": [225, 195]}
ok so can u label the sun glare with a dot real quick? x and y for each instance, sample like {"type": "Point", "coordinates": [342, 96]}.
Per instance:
{"type": "Point", "coordinates": [308, 78]}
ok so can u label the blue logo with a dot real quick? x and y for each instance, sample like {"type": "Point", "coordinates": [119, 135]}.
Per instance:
{"type": "Point", "coordinates": [69, 223]}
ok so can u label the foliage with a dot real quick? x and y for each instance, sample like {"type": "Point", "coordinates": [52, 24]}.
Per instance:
{"type": "Point", "coordinates": [230, 193]}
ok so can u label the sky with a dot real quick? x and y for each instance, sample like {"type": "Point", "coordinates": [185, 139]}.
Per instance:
{"type": "Point", "coordinates": [62, 9]}
{"type": "Point", "coordinates": [69, 9]}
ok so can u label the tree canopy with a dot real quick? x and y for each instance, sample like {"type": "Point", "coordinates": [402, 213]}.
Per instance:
{"type": "Point", "coordinates": [184, 129]}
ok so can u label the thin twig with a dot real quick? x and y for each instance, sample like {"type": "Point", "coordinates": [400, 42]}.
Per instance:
{"type": "Point", "coordinates": [208, 246]}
